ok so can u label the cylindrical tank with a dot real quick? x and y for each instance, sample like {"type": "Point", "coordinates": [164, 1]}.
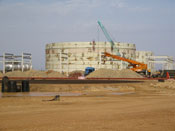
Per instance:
{"type": "Point", "coordinates": [70, 56]}
{"type": "Point", "coordinates": [17, 66]}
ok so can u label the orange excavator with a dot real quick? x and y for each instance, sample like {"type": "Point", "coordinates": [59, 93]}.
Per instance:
{"type": "Point", "coordinates": [136, 66]}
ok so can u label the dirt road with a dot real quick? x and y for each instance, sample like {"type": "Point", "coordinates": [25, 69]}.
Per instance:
{"type": "Point", "coordinates": [148, 109]}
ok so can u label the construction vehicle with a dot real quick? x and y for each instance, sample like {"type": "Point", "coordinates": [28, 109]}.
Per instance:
{"type": "Point", "coordinates": [168, 73]}
{"type": "Point", "coordinates": [88, 70]}
{"type": "Point", "coordinates": [136, 66]}
{"type": "Point", "coordinates": [164, 74]}
{"type": "Point", "coordinates": [156, 74]}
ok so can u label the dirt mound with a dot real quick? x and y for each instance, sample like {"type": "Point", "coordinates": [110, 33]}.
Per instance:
{"type": "Point", "coordinates": [34, 73]}
{"type": "Point", "coordinates": [30, 73]}
{"type": "Point", "coordinates": [39, 74]}
{"type": "Point", "coordinates": [106, 73]}
{"type": "Point", "coordinates": [109, 73]}
{"type": "Point", "coordinates": [51, 73]}
{"type": "Point", "coordinates": [76, 73]}
{"type": "Point", "coordinates": [127, 73]}
{"type": "Point", "coordinates": [15, 74]}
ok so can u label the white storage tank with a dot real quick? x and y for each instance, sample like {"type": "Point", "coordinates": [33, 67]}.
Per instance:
{"type": "Point", "coordinates": [71, 56]}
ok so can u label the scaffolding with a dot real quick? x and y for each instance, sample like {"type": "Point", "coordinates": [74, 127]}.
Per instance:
{"type": "Point", "coordinates": [167, 62]}
{"type": "Point", "coordinates": [11, 62]}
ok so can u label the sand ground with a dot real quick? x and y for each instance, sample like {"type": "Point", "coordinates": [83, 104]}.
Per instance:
{"type": "Point", "coordinates": [149, 108]}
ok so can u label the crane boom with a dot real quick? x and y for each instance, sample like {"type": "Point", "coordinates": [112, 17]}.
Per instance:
{"type": "Point", "coordinates": [106, 35]}
{"type": "Point", "coordinates": [137, 66]}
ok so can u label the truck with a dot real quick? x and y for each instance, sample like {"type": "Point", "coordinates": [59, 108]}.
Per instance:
{"type": "Point", "coordinates": [88, 70]}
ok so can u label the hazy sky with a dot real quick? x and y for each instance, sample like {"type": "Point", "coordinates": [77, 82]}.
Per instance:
{"type": "Point", "coordinates": [28, 25]}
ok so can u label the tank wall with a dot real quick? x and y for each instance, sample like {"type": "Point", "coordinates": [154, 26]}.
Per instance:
{"type": "Point", "coordinates": [70, 56]}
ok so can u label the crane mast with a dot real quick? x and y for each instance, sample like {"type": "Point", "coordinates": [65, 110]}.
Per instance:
{"type": "Point", "coordinates": [107, 36]}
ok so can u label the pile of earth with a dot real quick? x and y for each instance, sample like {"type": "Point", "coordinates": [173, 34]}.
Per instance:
{"type": "Point", "coordinates": [15, 74]}
{"type": "Point", "coordinates": [76, 73]}
{"type": "Point", "coordinates": [109, 73]}
{"type": "Point", "coordinates": [52, 73]}
{"type": "Point", "coordinates": [34, 73]}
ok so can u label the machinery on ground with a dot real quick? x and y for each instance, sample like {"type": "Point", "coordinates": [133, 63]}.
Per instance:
{"type": "Point", "coordinates": [168, 73]}
{"type": "Point", "coordinates": [156, 74]}
{"type": "Point", "coordinates": [88, 70]}
{"type": "Point", "coordinates": [164, 74]}
{"type": "Point", "coordinates": [136, 66]}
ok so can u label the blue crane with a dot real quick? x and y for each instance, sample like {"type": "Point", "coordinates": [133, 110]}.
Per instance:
{"type": "Point", "coordinates": [107, 36]}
